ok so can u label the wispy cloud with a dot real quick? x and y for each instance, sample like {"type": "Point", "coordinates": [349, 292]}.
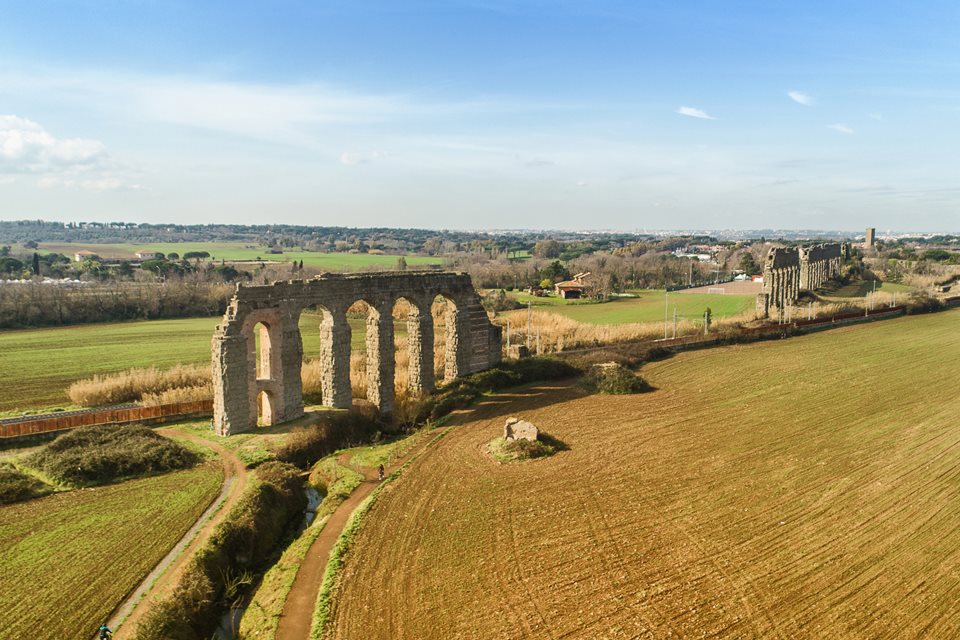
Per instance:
{"type": "Point", "coordinates": [875, 116]}
{"type": "Point", "coordinates": [352, 158]}
{"type": "Point", "coordinates": [842, 128]}
{"type": "Point", "coordinates": [800, 98]}
{"type": "Point", "coordinates": [693, 112]}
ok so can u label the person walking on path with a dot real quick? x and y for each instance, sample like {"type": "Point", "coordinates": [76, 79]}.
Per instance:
{"type": "Point", "coordinates": [380, 473]}
{"type": "Point", "coordinates": [104, 632]}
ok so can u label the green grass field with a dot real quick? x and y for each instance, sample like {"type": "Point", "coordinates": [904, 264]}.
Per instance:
{"type": "Point", "coordinates": [44, 362]}
{"type": "Point", "coordinates": [648, 306]}
{"type": "Point", "coordinates": [244, 251]}
{"type": "Point", "coordinates": [68, 559]}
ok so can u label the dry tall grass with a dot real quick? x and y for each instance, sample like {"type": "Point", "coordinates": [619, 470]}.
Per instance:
{"type": "Point", "coordinates": [132, 384]}
{"type": "Point", "coordinates": [178, 394]}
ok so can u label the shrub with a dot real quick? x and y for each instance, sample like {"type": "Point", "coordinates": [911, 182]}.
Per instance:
{"type": "Point", "coordinates": [305, 446]}
{"type": "Point", "coordinates": [515, 450]}
{"type": "Point", "coordinates": [96, 455]}
{"type": "Point", "coordinates": [614, 379]}
{"type": "Point", "coordinates": [542, 368]}
{"type": "Point", "coordinates": [16, 485]}
{"type": "Point", "coordinates": [223, 569]}
{"type": "Point", "coordinates": [921, 302]}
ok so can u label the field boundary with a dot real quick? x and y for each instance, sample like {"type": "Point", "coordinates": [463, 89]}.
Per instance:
{"type": "Point", "coordinates": [19, 428]}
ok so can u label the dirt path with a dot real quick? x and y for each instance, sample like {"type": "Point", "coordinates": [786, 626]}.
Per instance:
{"type": "Point", "coordinates": [165, 576]}
{"type": "Point", "coordinates": [298, 608]}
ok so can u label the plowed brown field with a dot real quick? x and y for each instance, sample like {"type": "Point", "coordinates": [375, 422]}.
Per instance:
{"type": "Point", "coordinates": [807, 488]}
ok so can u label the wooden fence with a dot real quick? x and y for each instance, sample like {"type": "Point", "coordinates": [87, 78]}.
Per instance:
{"type": "Point", "coordinates": [32, 425]}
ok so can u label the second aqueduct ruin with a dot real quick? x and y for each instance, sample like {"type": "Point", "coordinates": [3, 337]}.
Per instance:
{"type": "Point", "coordinates": [265, 386]}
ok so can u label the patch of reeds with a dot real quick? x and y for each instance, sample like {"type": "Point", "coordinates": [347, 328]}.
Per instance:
{"type": "Point", "coordinates": [132, 384]}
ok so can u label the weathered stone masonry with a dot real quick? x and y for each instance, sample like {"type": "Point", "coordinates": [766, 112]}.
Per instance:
{"type": "Point", "coordinates": [473, 342]}
{"type": "Point", "coordinates": [788, 271]}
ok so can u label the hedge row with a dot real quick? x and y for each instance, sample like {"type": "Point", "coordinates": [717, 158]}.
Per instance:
{"type": "Point", "coordinates": [217, 576]}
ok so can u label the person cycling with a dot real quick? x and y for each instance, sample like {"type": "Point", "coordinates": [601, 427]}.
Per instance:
{"type": "Point", "coordinates": [105, 633]}
{"type": "Point", "coordinates": [380, 473]}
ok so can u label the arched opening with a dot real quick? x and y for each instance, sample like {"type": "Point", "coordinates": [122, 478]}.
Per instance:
{"type": "Point", "coordinates": [358, 316]}
{"type": "Point", "coordinates": [264, 409]}
{"type": "Point", "coordinates": [316, 326]}
{"type": "Point", "coordinates": [410, 328]}
{"type": "Point", "coordinates": [262, 352]}
{"type": "Point", "coordinates": [444, 313]}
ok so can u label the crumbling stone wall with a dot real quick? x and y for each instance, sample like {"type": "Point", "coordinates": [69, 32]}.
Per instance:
{"type": "Point", "coordinates": [787, 271]}
{"type": "Point", "coordinates": [819, 263]}
{"type": "Point", "coordinates": [473, 342]}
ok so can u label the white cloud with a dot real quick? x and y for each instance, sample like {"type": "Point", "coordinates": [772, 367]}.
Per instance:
{"type": "Point", "coordinates": [842, 128]}
{"type": "Point", "coordinates": [800, 98]}
{"type": "Point", "coordinates": [694, 113]}
{"type": "Point", "coordinates": [26, 147]}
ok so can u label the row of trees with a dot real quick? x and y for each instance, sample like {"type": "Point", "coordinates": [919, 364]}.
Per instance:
{"type": "Point", "coordinates": [36, 304]}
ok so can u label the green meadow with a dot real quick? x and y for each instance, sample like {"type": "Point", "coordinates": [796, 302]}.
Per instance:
{"type": "Point", "coordinates": [42, 363]}
{"type": "Point", "coordinates": [233, 251]}
{"type": "Point", "coordinates": [649, 305]}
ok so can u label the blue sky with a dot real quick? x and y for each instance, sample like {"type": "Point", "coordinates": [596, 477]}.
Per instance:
{"type": "Point", "coordinates": [483, 114]}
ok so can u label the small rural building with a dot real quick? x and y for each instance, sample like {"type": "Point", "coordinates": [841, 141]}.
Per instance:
{"type": "Point", "coordinates": [83, 254]}
{"type": "Point", "coordinates": [148, 255]}
{"type": "Point", "coordinates": [582, 285]}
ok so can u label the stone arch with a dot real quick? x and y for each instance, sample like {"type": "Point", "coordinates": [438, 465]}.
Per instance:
{"type": "Point", "coordinates": [472, 342]}
{"type": "Point", "coordinates": [265, 408]}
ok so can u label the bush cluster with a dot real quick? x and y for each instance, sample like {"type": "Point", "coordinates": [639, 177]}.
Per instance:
{"type": "Point", "coordinates": [515, 450]}
{"type": "Point", "coordinates": [923, 303]}
{"type": "Point", "coordinates": [16, 486]}
{"type": "Point", "coordinates": [101, 454]}
{"type": "Point", "coordinates": [614, 379]}
{"type": "Point", "coordinates": [218, 575]}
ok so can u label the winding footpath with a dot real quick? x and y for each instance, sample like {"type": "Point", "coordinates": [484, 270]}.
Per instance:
{"type": "Point", "coordinates": [164, 577]}
{"type": "Point", "coordinates": [297, 616]}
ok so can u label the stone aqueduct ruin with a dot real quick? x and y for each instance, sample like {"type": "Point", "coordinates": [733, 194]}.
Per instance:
{"type": "Point", "coordinates": [266, 386]}
{"type": "Point", "coordinates": [788, 270]}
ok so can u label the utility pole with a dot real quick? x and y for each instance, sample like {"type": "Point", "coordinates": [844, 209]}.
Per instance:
{"type": "Point", "coordinates": [690, 281]}
{"type": "Point", "coordinates": [674, 323]}
{"type": "Point", "coordinates": [508, 337]}
{"type": "Point", "coordinates": [529, 313]}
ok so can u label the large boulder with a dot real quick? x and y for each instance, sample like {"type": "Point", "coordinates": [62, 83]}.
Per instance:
{"type": "Point", "coordinates": [517, 429]}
